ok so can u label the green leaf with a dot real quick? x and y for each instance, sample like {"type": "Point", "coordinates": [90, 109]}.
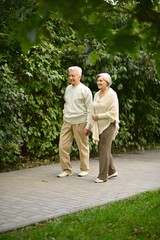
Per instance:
{"type": "Point", "coordinates": [157, 63]}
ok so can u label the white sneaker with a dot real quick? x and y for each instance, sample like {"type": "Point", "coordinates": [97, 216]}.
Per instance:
{"type": "Point", "coordinates": [99, 180]}
{"type": "Point", "coordinates": [113, 175]}
{"type": "Point", "coordinates": [64, 174]}
{"type": "Point", "coordinates": [83, 173]}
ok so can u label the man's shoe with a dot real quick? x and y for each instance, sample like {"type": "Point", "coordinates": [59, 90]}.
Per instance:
{"type": "Point", "coordinates": [113, 175]}
{"type": "Point", "coordinates": [64, 174]}
{"type": "Point", "coordinates": [99, 180]}
{"type": "Point", "coordinates": [83, 173]}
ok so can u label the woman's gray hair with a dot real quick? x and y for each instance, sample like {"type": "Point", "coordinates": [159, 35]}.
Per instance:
{"type": "Point", "coordinates": [105, 77]}
{"type": "Point", "coordinates": [77, 69]}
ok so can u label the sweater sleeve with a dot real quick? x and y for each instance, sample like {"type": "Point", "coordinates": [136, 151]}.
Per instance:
{"type": "Point", "coordinates": [88, 103]}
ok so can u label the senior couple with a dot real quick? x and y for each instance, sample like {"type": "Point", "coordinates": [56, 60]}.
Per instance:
{"type": "Point", "coordinates": [81, 116]}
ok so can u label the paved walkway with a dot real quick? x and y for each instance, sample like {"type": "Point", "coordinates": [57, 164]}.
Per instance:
{"type": "Point", "coordinates": [34, 195]}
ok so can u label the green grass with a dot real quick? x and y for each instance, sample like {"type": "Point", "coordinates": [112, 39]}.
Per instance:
{"type": "Point", "coordinates": [135, 218]}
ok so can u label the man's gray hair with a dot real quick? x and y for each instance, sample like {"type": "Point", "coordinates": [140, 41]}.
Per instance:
{"type": "Point", "coordinates": [77, 69]}
{"type": "Point", "coordinates": [106, 77]}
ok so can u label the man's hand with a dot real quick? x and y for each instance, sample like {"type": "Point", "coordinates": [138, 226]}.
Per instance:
{"type": "Point", "coordinates": [86, 131]}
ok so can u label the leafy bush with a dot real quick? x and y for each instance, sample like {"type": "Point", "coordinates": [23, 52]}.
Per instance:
{"type": "Point", "coordinates": [42, 81]}
{"type": "Point", "coordinates": [12, 130]}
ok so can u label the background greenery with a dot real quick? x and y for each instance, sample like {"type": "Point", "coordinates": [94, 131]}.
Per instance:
{"type": "Point", "coordinates": [39, 40]}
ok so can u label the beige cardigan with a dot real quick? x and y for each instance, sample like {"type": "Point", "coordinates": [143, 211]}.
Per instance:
{"type": "Point", "coordinates": [107, 109]}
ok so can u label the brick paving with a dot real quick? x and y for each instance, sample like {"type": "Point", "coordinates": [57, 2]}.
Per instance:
{"type": "Point", "coordinates": [34, 195]}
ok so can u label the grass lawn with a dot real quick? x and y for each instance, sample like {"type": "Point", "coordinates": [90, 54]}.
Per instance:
{"type": "Point", "coordinates": [135, 218]}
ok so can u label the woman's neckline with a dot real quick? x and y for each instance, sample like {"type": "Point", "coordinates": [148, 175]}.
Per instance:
{"type": "Point", "coordinates": [103, 93]}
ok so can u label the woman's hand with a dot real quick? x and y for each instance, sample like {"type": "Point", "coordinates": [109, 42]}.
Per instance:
{"type": "Point", "coordinates": [95, 117]}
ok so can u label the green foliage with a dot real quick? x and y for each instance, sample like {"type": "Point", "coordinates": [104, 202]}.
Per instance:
{"type": "Point", "coordinates": [141, 29]}
{"type": "Point", "coordinates": [12, 130]}
{"type": "Point", "coordinates": [128, 25]}
{"type": "Point", "coordinates": [42, 81]}
{"type": "Point", "coordinates": [139, 107]}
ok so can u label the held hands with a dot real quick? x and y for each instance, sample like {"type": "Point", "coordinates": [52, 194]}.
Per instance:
{"type": "Point", "coordinates": [95, 117]}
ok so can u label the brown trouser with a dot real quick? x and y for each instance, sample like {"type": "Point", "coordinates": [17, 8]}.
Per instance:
{"type": "Point", "coordinates": [68, 132]}
{"type": "Point", "coordinates": [106, 166]}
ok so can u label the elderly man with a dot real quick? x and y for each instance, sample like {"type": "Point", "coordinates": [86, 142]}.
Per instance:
{"type": "Point", "coordinates": [76, 117]}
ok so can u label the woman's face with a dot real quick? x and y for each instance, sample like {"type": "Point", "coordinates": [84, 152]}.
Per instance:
{"type": "Point", "coordinates": [101, 84]}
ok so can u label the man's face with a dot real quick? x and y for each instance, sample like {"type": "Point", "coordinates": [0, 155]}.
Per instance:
{"type": "Point", "coordinates": [74, 77]}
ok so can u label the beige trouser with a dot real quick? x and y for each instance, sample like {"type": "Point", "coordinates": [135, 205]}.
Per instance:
{"type": "Point", "coordinates": [106, 166]}
{"type": "Point", "coordinates": [68, 132]}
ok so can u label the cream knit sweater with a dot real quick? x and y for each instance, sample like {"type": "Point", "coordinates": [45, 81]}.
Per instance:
{"type": "Point", "coordinates": [107, 109]}
{"type": "Point", "coordinates": [78, 104]}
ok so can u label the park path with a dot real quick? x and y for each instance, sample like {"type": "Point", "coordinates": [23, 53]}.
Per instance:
{"type": "Point", "coordinates": [34, 195]}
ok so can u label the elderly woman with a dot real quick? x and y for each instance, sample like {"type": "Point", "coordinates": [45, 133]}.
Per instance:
{"type": "Point", "coordinates": [105, 125]}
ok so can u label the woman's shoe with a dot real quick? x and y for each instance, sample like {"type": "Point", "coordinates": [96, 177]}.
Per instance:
{"type": "Point", "coordinates": [99, 180]}
{"type": "Point", "coordinates": [113, 175]}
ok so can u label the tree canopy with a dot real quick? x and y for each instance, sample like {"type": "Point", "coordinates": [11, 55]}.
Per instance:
{"type": "Point", "coordinates": [126, 26]}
